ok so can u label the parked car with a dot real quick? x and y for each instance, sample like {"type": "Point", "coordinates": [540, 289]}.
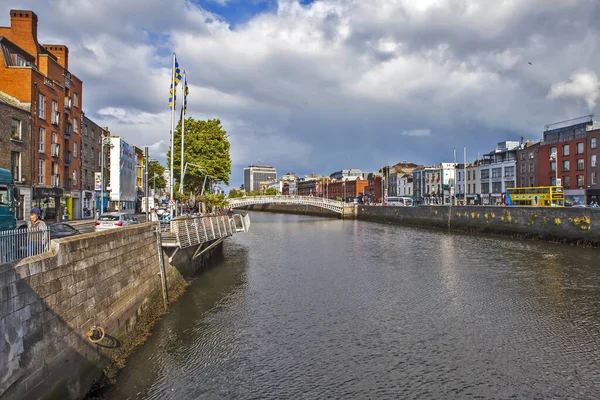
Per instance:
{"type": "Point", "coordinates": [61, 230]}
{"type": "Point", "coordinates": [114, 220]}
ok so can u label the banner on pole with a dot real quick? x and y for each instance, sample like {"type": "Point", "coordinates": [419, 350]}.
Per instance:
{"type": "Point", "coordinates": [97, 181]}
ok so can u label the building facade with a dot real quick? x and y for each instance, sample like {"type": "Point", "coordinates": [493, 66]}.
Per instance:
{"type": "Point", "coordinates": [404, 185]}
{"type": "Point", "coordinates": [123, 176]}
{"type": "Point", "coordinates": [527, 161]}
{"type": "Point", "coordinates": [91, 166]}
{"type": "Point", "coordinates": [39, 75]}
{"type": "Point", "coordinates": [497, 172]}
{"type": "Point", "coordinates": [593, 187]}
{"type": "Point", "coordinates": [473, 196]}
{"type": "Point", "coordinates": [15, 142]}
{"type": "Point", "coordinates": [254, 174]}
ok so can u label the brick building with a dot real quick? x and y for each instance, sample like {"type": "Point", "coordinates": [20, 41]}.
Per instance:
{"type": "Point", "coordinates": [568, 143]}
{"type": "Point", "coordinates": [374, 189]}
{"type": "Point", "coordinates": [593, 148]}
{"type": "Point", "coordinates": [527, 161]}
{"type": "Point", "coordinates": [346, 189]}
{"type": "Point", "coordinates": [39, 75]}
{"type": "Point", "coordinates": [310, 187]}
{"type": "Point", "coordinates": [91, 163]}
{"type": "Point", "coordinates": [15, 139]}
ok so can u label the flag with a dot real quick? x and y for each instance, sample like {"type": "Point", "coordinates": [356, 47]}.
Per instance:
{"type": "Point", "coordinates": [172, 93]}
{"type": "Point", "coordinates": [186, 91]}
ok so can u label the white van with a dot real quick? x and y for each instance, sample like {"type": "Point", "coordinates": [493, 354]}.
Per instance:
{"type": "Point", "coordinates": [398, 201]}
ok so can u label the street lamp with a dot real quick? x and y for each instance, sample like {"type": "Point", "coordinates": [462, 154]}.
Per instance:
{"type": "Point", "coordinates": [204, 183]}
{"type": "Point", "coordinates": [183, 175]}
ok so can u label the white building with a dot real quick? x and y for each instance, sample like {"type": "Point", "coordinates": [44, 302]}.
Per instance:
{"type": "Point", "coordinates": [123, 176]}
{"type": "Point", "coordinates": [255, 174]}
{"type": "Point", "coordinates": [472, 183]}
{"type": "Point", "coordinates": [497, 172]}
{"type": "Point", "coordinates": [404, 185]}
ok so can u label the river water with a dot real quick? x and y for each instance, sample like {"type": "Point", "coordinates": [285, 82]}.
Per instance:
{"type": "Point", "coordinates": [310, 308]}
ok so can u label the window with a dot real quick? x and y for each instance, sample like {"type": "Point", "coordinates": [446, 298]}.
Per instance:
{"type": "Point", "coordinates": [553, 181]}
{"type": "Point", "coordinates": [485, 188]}
{"type": "Point", "coordinates": [100, 158]}
{"type": "Point", "coordinates": [20, 61]}
{"type": "Point", "coordinates": [530, 167]}
{"type": "Point", "coordinates": [531, 155]}
{"type": "Point", "coordinates": [523, 167]}
{"type": "Point", "coordinates": [75, 100]}
{"type": "Point", "coordinates": [523, 182]}
{"type": "Point", "coordinates": [579, 148]}
{"type": "Point", "coordinates": [531, 181]}
{"type": "Point", "coordinates": [580, 164]}
{"type": "Point", "coordinates": [593, 143]}
{"type": "Point", "coordinates": [496, 172]}
{"type": "Point", "coordinates": [594, 178]}
{"type": "Point", "coordinates": [566, 150]}
{"type": "Point", "coordinates": [553, 166]}
{"type": "Point", "coordinates": [485, 174]}
{"type": "Point", "coordinates": [54, 138]}
{"type": "Point", "coordinates": [15, 129]}
{"type": "Point", "coordinates": [580, 181]}
{"type": "Point", "coordinates": [553, 152]}
{"type": "Point", "coordinates": [74, 177]}
{"type": "Point", "coordinates": [41, 172]}
{"type": "Point", "coordinates": [15, 165]}
{"type": "Point", "coordinates": [469, 175]}
{"type": "Point", "coordinates": [523, 156]}
{"type": "Point", "coordinates": [75, 125]}
{"type": "Point", "coordinates": [566, 165]}
{"type": "Point", "coordinates": [496, 187]}
{"type": "Point", "coordinates": [566, 181]}
{"type": "Point", "coordinates": [42, 107]}
{"type": "Point", "coordinates": [75, 149]}
{"type": "Point", "coordinates": [41, 140]}
{"type": "Point", "coordinates": [509, 171]}
{"type": "Point", "coordinates": [55, 114]}
{"type": "Point", "coordinates": [594, 162]}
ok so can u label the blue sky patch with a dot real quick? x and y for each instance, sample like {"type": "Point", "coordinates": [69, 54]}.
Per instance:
{"type": "Point", "coordinates": [237, 12]}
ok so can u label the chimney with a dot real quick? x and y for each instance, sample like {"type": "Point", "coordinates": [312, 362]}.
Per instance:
{"type": "Point", "coordinates": [23, 30]}
{"type": "Point", "coordinates": [61, 52]}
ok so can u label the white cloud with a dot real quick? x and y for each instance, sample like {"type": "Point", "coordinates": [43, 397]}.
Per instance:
{"type": "Point", "coordinates": [583, 85]}
{"type": "Point", "coordinates": [417, 132]}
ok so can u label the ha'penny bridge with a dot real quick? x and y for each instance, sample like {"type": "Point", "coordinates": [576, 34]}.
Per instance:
{"type": "Point", "coordinates": [345, 210]}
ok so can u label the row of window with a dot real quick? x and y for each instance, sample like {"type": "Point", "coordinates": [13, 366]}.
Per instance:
{"type": "Point", "coordinates": [16, 168]}
{"type": "Point", "coordinates": [54, 138]}
{"type": "Point", "coordinates": [42, 106]}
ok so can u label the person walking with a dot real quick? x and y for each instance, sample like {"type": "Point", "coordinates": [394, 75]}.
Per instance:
{"type": "Point", "coordinates": [153, 215]}
{"type": "Point", "coordinates": [36, 233]}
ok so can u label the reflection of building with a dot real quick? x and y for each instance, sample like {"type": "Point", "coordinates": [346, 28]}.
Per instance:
{"type": "Point", "coordinates": [15, 125]}
{"type": "Point", "coordinates": [123, 175]}
{"type": "Point", "coordinates": [254, 174]}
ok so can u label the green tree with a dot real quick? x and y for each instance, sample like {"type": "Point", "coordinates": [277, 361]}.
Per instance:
{"type": "Point", "coordinates": [154, 167]}
{"type": "Point", "coordinates": [206, 145]}
{"type": "Point", "coordinates": [214, 200]}
{"type": "Point", "coordinates": [234, 193]}
{"type": "Point", "coordinates": [254, 193]}
{"type": "Point", "coordinates": [271, 191]}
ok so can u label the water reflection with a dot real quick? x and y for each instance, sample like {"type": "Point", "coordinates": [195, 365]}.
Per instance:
{"type": "Point", "coordinates": [304, 307]}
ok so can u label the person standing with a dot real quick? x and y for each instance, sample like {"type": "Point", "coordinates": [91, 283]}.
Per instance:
{"type": "Point", "coordinates": [153, 215]}
{"type": "Point", "coordinates": [36, 233]}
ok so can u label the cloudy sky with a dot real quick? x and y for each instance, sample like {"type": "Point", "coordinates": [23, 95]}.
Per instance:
{"type": "Point", "coordinates": [317, 86]}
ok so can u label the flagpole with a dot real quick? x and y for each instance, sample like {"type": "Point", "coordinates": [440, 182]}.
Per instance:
{"type": "Point", "coordinates": [183, 97]}
{"type": "Point", "coordinates": [172, 136]}
{"type": "Point", "coordinates": [465, 177]}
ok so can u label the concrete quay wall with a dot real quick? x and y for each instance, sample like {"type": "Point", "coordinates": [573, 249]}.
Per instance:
{"type": "Point", "coordinates": [49, 302]}
{"type": "Point", "coordinates": [561, 224]}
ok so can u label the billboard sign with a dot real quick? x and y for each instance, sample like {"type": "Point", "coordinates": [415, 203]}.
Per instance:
{"type": "Point", "coordinates": [97, 181]}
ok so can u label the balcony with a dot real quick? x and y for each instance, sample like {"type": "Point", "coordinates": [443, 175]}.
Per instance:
{"type": "Point", "coordinates": [68, 158]}
{"type": "Point", "coordinates": [55, 150]}
{"type": "Point", "coordinates": [55, 118]}
{"type": "Point", "coordinates": [55, 180]}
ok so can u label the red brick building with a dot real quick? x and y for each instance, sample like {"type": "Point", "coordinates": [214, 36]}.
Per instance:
{"type": "Point", "coordinates": [345, 189]}
{"type": "Point", "coordinates": [569, 144]}
{"type": "Point", "coordinates": [39, 75]}
{"type": "Point", "coordinates": [593, 149]}
{"type": "Point", "coordinates": [527, 165]}
{"type": "Point", "coordinates": [373, 191]}
{"type": "Point", "coordinates": [312, 187]}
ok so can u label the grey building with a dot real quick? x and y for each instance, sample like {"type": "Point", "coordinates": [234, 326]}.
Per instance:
{"type": "Point", "coordinates": [346, 173]}
{"type": "Point", "coordinates": [254, 174]}
{"type": "Point", "coordinates": [91, 140]}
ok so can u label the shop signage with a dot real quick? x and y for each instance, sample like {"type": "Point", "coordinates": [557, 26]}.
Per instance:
{"type": "Point", "coordinates": [76, 195]}
{"type": "Point", "coordinates": [42, 192]}
{"type": "Point", "coordinates": [97, 180]}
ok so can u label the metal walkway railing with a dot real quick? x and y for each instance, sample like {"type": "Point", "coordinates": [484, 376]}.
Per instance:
{"type": "Point", "coordinates": [16, 244]}
{"type": "Point", "coordinates": [192, 231]}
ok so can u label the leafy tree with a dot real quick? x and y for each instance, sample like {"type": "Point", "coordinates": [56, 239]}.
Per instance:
{"type": "Point", "coordinates": [254, 193]}
{"type": "Point", "coordinates": [271, 191]}
{"type": "Point", "coordinates": [154, 167]}
{"type": "Point", "coordinates": [234, 193]}
{"type": "Point", "coordinates": [206, 145]}
{"type": "Point", "coordinates": [214, 200]}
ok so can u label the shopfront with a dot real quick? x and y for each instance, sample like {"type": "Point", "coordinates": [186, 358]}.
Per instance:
{"type": "Point", "coordinates": [575, 197]}
{"type": "Point", "coordinates": [88, 203]}
{"type": "Point", "coordinates": [593, 195]}
{"type": "Point", "coordinates": [50, 201]}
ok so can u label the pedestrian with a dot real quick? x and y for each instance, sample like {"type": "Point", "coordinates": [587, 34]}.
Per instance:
{"type": "Point", "coordinates": [153, 215]}
{"type": "Point", "coordinates": [36, 235]}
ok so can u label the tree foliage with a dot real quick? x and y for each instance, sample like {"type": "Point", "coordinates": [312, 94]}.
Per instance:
{"type": "Point", "coordinates": [154, 167]}
{"type": "Point", "coordinates": [271, 191]}
{"type": "Point", "coordinates": [214, 200]}
{"type": "Point", "coordinates": [206, 145]}
{"type": "Point", "coordinates": [235, 193]}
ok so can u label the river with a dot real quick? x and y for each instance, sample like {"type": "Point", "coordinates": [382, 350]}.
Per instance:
{"type": "Point", "coordinates": [310, 308]}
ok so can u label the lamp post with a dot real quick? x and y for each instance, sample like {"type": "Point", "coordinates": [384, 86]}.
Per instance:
{"type": "Point", "coordinates": [183, 175]}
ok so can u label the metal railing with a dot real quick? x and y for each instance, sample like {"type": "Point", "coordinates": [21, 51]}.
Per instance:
{"type": "Point", "coordinates": [16, 244]}
{"type": "Point", "coordinates": [192, 231]}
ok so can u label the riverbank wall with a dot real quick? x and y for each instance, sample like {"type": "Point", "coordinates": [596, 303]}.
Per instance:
{"type": "Point", "coordinates": [573, 225]}
{"type": "Point", "coordinates": [292, 209]}
{"type": "Point", "coordinates": [49, 302]}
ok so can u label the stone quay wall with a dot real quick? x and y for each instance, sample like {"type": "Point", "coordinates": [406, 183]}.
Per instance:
{"type": "Point", "coordinates": [49, 302]}
{"type": "Point", "coordinates": [562, 224]}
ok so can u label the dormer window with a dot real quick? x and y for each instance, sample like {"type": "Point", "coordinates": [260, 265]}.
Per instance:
{"type": "Point", "coordinates": [20, 61]}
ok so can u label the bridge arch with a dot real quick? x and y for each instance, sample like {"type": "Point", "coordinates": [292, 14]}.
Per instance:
{"type": "Point", "coordinates": [332, 205]}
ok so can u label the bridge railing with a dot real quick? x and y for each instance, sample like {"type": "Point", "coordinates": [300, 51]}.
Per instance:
{"type": "Point", "coordinates": [333, 205]}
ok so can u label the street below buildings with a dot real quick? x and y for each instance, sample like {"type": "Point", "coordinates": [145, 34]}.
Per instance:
{"type": "Point", "coordinates": [87, 225]}
{"type": "Point", "coordinates": [306, 307]}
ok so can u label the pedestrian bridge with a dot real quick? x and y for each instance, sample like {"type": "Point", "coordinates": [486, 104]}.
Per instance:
{"type": "Point", "coordinates": [332, 205]}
